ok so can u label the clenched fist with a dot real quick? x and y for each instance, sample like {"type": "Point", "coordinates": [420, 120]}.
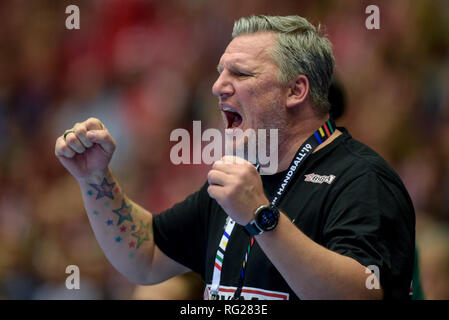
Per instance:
{"type": "Point", "coordinates": [237, 187]}
{"type": "Point", "coordinates": [86, 149]}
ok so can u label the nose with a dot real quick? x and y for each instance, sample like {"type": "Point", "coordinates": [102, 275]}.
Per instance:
{"type": "Point", "coordinates": [223, 87]}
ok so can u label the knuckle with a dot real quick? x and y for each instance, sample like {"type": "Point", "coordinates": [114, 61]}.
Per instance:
{"type": "Point", "coordinates": [225, 159]}
{"type": "Point", "coordinates": [71, 139]}
{"type": "Point", "coordinates": [80, 130]}
{"type": "Point", "coordinates": [217, 166]}
{"type": "Point", "coordinates": [246, 173]}
{"type": "Point", "coordinates": [93, 123]}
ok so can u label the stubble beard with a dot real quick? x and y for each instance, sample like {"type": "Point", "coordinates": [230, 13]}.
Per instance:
{"type": "Point", "coordinates": [274, 120]}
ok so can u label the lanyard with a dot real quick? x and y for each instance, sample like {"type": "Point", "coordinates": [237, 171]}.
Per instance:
{"type": "Point", "coordinates": [306, 149]}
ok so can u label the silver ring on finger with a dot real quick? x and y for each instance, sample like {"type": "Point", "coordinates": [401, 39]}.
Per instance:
{"type": "Point", "coordinates": [67, 132]}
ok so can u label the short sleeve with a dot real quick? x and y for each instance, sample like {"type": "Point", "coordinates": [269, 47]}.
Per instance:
{"type": "Point", "coordinates": [180, 232]}
{"type": "Point", "coordinates": [372, 221]}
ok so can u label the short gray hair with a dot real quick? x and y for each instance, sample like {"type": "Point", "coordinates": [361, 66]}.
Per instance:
{"type": "Point", "coordinates": [299, 49]}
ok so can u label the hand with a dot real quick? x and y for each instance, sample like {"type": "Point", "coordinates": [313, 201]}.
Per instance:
{"type": "Point", "coordinates": [87, 150]}
{"type": "Point", "coordinates": [237, 187]}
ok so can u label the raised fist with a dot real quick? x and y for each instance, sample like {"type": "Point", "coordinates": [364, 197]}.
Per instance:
{"type": "Point", "coordinates": [86, 149]}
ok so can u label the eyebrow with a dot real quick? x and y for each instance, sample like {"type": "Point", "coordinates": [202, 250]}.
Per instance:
{"type": "Point", "coordinates": [234, 66]}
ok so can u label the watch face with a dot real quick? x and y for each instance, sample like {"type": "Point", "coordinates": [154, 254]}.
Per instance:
{"type": "Point", "coordinates": [267, 219]}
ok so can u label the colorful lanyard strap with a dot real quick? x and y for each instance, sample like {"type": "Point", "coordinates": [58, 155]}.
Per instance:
{"type": "Point", "coordinates": [306, 149]}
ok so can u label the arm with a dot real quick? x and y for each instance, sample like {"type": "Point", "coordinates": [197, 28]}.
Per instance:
{"type": "Point", "coordinates": [122, 228]}
{"type": "Point", "coordinates": [312, 271]}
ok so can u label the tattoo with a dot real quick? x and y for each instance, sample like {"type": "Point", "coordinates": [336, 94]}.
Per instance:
{"type": "Point", "coordinates": [132, 244]}
{"type": "Point", "coordinates": [96, 212]}
{"type": "Point", "coordinates": [118, 239]}
{"type": "Point", "coordinates": [122, 228]}
{"type": "Point", "coordinates": [104, 190]}
{"type": "Point", "coordinates": [124, 213]}
{"type": "Point", "coordinates": [131, 255]}
{"type": "Point", "coordinates": [142, 234]}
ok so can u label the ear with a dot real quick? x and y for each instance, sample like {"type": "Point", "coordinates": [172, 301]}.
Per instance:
{"type": "Point", "coordinates": [298, 91]}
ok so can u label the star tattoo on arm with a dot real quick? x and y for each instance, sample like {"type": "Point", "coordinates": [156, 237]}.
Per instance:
{"type": "Point", "coordinates": [124, 213]}
{"type": "Point", "coordinates": [142, 234]}
{"type": "Point", "coordinates": [104, 189]}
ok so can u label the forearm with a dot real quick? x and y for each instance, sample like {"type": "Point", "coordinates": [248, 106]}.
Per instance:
{"type": "Point", "coordinates": [122, 228]}
{"type": "Point", "coordinates": [311, 270]}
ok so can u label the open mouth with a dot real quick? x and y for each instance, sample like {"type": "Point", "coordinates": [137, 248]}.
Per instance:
{"type": "Point", "coordinates": [234, 119]}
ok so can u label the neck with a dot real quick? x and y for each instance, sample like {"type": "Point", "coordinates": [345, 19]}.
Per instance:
{"type": "Point", "coordinates": [290, 142]}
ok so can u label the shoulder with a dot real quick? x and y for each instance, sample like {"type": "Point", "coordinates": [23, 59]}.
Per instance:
{"type": "Point", "coordinates": [355, 159]}
{"type": "Point", "coordinates": [352, 164]}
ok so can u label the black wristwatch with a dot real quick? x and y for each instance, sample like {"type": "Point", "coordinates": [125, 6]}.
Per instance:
{"type": "Point", "coordinates": [265, 219]}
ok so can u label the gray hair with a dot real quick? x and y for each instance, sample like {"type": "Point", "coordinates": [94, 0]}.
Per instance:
{"type": "Point", "coordinates": [299, 49]}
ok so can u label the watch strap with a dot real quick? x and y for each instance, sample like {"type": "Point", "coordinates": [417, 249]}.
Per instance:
{"type": "Point", "coordinates": [253, 229]}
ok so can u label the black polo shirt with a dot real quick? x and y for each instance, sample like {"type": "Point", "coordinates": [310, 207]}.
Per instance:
{"type": "Point", "coordinates": [344, 197]}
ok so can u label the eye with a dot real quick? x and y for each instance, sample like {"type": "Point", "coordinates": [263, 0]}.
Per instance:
{"type": "Point", "coordinates": [240, 74]}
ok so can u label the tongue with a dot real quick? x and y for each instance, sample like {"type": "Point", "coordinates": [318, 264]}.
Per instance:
{"type": "Point", "coordinates": [234, 119]}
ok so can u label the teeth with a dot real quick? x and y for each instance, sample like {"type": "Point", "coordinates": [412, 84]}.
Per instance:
{"type": "Point", "coordinates": [228, 109]}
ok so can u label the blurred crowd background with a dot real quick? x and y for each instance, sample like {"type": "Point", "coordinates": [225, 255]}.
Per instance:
{"type": "Point", "coordinates": [146, 68]}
